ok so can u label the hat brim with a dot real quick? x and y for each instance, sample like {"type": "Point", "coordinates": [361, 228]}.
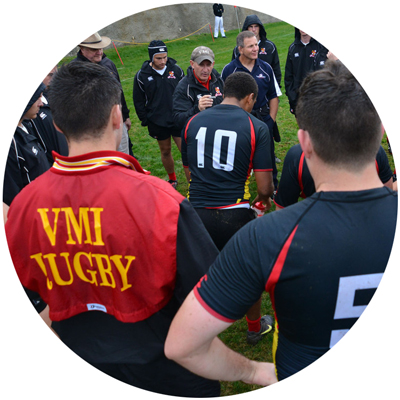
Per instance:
{"type": "Point", "coordinates": [200, 59]}
{"type": "Point", "coordinates": [104, 42]}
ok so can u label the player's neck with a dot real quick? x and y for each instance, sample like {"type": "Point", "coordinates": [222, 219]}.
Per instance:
{"type": "Point", "coordinates": [231, 101]}
{"type": "Point", "coordinates": [328, 179]}
{"type": "Point", "coordinates": [88, 144]}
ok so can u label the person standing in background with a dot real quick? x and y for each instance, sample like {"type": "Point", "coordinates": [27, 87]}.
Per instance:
{"type": "Point", "coordinates": [219, 20]}
{"type": "Point", "coordinates": [91, 50]}
{"type": "Point", "coordinates": [267, 50]}
{"type": "Point", "coordinates": [153, 87]}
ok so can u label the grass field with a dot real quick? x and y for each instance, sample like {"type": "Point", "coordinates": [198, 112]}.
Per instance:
{"type": "Point", "coordinates": [146, 149]}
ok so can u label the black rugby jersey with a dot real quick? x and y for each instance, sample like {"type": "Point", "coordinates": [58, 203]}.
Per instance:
{"type": "Point", "coordinates": [296, 180]}
{"type": "Point", "coordinates": [320, 260]}
{"type": "Point", "coordinates": [221, 146]}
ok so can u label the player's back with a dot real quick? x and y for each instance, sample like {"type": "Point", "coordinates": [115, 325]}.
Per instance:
{"type": "Point", "coordinates": [330, 266]}
{"type": "Point", "coordinates": [221, 146]}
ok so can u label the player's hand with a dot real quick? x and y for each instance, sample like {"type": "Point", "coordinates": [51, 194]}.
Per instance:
{"type": "Point", "coordinates": [205, 102]}
{"type": "Point", "coordinates": [263, 374]}
{"type": "Point", "coordinates": [268, 204]}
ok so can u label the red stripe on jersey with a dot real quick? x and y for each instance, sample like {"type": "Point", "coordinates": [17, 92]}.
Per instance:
{"type": "Point", "coordinates": [377, 166]}
{"type": "Point", "coordinates": [207, 307]}
{"type": "Point", "coordinates": [253, 145]}
{"type": "Point", "coordinates": [278, 266]}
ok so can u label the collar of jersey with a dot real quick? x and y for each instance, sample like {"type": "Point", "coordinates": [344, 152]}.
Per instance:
{"type": "Point", "coordinates": [92, 161]}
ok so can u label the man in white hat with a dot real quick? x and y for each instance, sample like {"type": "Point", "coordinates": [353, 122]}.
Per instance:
{"type": "Point", "coordinates": [91, 50]}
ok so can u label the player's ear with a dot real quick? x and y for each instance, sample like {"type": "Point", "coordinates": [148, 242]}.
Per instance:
{"type": "Point", "coordinates": [305, 142]}
{"type": "Point", "coordinates": [57, 128]}
{"type": "Point", "coordinates": [116, 116]}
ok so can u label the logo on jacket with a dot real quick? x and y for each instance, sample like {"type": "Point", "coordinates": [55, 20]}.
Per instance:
{"type": "Point", "coordinates": [313, 53]}
{"type": "Point", "coordinates": [262, 51]}
{"type": "Point", "coordinates": [218, 91]}
{"type": "Point", "coordinates": [150, 78]}
{"type": "Point", "coordinates": [260, 76]}
{"type": "Point", "coordinates": [35, 151]}
{"type": "Point", "coordinates": [171, 75]}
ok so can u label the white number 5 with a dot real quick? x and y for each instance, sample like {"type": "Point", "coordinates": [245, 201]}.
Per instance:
{"type": "Point", "coordinates": [345, 307]}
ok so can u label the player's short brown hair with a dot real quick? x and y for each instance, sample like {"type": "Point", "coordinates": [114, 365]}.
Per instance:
{"type": "Point", "coordinates": [341, 120]}
{"type": "Point", "coordinates": [81, 95]}
{"type": "Point", "coordinates": [243, 35]}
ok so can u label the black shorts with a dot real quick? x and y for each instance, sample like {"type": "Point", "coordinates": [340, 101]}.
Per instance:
{"type": "Point", "coordinates": [222, 224]}
{"type": "Point", "coordinates": [161, 132]}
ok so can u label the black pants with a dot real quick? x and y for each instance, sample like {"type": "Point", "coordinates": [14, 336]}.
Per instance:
{"type": "Point", "coordinates": [164, 377]}
{"type": "Point", "coordinates": [223, 224]}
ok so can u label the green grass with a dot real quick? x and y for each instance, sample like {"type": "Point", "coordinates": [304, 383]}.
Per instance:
{"type": "Point", "coordinates": [147, 151]}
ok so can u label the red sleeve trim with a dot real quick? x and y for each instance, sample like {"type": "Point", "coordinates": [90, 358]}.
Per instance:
{"type": "Point", "coordinates": [277, 204]}
{"type": "Point", "coordinates": [263, 170]}
{"type": "Point", "coordinates": [209, 309]}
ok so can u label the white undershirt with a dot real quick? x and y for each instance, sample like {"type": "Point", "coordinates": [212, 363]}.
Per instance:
{"type": "Point", "coordinates": [160, 71]}
{"type": "Point", "coordinates": [24, 129]}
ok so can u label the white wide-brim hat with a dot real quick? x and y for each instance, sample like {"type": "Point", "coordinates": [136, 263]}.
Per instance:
{"type": "Point", "coordinates": [96, 41]}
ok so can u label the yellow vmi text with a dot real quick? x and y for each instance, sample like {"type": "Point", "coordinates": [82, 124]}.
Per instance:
{"type": "Point", "coordinates": [81, 226]}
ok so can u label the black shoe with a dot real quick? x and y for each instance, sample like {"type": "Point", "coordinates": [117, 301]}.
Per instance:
{"type": "Point", "coordinates": [174, 184]}
{"type": "Point", "coordinates": [267, 325]}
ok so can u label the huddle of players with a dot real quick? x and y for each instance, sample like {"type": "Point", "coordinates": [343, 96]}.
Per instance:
{"type": "Point", "coordinates": [220, 146]}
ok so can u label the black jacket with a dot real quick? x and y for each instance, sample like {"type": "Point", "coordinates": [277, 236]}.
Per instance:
{"type": "Point", "coordinates": [152, 93]}
{"type": "Point", "coordinates": [106, 62]}
{"type": "Point", "coordinates": [25, 162]}
{"type": "Point", "coordinates": [218, 9]}
{"type": "Point", "coordinates": [301, 60]}
{"type": "Point", "coordinates": [267, 49]}
{"type": "Point", "coordinates": [53, 139]}
{"type": "Point", "coordinates": [187, 94]}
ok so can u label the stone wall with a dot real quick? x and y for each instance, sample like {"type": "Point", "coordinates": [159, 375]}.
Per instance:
{"type": "Point", "coordinates": [172, 22]}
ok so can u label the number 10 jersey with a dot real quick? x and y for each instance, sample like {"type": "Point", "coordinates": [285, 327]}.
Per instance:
{"type": "Point", "coordinates": [221, 146]}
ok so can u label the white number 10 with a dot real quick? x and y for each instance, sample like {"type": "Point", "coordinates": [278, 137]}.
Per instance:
{"type": "Point", "coordinates": [219, 135]}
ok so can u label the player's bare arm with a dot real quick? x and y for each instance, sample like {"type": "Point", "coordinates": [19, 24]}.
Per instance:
{"type": "Point", "coordinates": [193, 343]}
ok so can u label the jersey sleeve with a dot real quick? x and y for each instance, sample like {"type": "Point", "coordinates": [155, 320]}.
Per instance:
{"type": "Point", "coordinates": [196, 250]}
{"type": "Point", "coordinates": [235, 281]}
{"type": "Point", "coordinates": [262, 156]}
{"type": "Point", "coordinates": [383, 167]}
{"type": "Point", "coordinates": [184, 150]}
{"type": "Point", "coordinates": [288, 192]}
